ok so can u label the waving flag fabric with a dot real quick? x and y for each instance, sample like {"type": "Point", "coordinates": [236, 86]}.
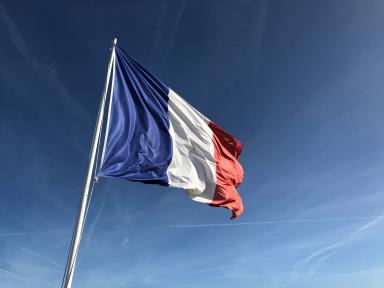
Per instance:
{"type": "Point", "coordinates": [155, 136]}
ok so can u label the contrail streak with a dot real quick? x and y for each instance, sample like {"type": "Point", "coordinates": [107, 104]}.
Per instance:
{"type": "Point", "coordinates": [32, 233]}
{"type": "Point", "coordinates": [8, 273]}
{"type": "Point", "coordinates": [176, 25]}
{"type": "Point", "coordinates": [40, 256]}
{"type": "Point", "coordinates": [272, 222]}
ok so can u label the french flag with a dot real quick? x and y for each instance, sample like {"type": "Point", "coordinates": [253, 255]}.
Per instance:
{"type": "Point", "coordinates": [154, 136]}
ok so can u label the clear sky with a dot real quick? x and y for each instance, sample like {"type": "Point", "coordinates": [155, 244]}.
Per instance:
{"type": "Point", "coordinates": [300, 83]}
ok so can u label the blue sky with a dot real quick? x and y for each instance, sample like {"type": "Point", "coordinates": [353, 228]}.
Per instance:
{"type": "Point", "coordinates": [298, 82]}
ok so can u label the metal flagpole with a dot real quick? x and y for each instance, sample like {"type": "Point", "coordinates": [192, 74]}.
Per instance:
{"type": "Point", "coordinates": [81, 214]}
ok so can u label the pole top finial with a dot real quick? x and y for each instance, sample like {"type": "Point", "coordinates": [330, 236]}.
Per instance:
{"type": "Point", "coordinates": [115, 41]}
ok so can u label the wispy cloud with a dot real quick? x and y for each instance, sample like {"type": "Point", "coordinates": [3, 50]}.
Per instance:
{"type": "Point", "coordinates": [125, 242]}
{"type": "Point", "coordinates": [40, 256]}
{"type": "Point", "coordinates": [45, 70]}
{"type": "Point", "coordinates": [7, 273]}
{"type": "Point", "coordinates": [28, 268]}
{"type": "Point", "coordinates": [20, 220]}
{"type": "Point", "coordinates": [315, 260]}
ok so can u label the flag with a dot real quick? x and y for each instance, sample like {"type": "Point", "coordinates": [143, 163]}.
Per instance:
{"type": "Point", "coordinates": [154, 136]}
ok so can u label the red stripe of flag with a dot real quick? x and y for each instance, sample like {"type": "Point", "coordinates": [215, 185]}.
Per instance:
{"type": "Point", "coordinates": [229, 173]}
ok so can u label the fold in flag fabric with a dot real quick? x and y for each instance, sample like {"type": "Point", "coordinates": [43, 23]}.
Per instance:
{"type": "Point", "coordinates": [155, 136]}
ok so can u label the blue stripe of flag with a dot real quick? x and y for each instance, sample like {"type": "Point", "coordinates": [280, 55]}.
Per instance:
{"type": "Point", "coordinates": [139, 146]}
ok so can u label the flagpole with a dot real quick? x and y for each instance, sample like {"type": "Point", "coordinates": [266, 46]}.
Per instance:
{"type": "Point", "coordinates": [81, 214]}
